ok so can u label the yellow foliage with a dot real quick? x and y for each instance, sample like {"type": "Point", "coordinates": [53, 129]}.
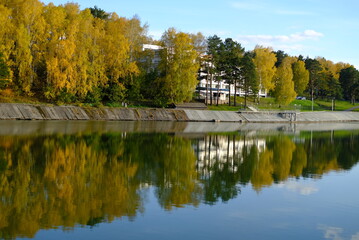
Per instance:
{"type": "Point", "coordinates": [284, 86]}
{"type": "Point", "coordinates": [265, 60]}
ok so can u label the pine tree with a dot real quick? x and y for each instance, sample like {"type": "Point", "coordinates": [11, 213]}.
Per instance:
{"type": "Point", "coordinates": [249, 77]}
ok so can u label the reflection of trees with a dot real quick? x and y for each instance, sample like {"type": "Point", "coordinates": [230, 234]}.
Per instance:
{"type": "Point", "coordinates": [283, 148]}
{"type": "Point", "coordinates": [55, 181]}
{"type": "Point", "coordinates": [168, 163]}
{"type": "Point", "coordinates": [61, 181]}
{"type": "Point", "coordinates": [262, 161]}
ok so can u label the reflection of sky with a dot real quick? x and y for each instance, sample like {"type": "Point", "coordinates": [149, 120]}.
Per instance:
{"type": "Point", "coordinates": [336, 233]}
{"type": "Point", "coordinates": [326, 208]}
{"type": "Point", "coordinates": [303, 189]}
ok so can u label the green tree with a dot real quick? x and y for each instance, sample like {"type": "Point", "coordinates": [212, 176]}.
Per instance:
{"type": "Point", "coordinates": [99, 13]}
{"type": "Point", "coordinates": [314, 68]}
{"type": "Point", "coordinates": [215, 47]}
{"type": "Point", "coordinates": [349, 80]}
{"type": "Point", "coordinates": [335, 90]}
{"type": "Point", "coordinates": [249, 77]}
{"type": "Point", "coordinates": [229, 64]}
{"type": "Point", "coordinates": [280, 55]}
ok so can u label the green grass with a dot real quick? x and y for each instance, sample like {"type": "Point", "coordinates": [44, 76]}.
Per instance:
{"type": "Point", "coordinates": [339, 105]}
{"type": "Point", "coordinates": [8, 96]}
{"type": "Point", "coordinates": [301, 105]}
{"type": "Point", "coordinates": [224, 108]}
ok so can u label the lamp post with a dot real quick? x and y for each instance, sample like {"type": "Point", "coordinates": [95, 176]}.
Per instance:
{"type": "Point", "coordinates": [312, 103]}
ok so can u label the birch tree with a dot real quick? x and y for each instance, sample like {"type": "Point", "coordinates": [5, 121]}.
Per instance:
{"type": "Point", "coordinates": [300, 77]}
{"type": "Point", "coordinates": [265, 60]}
{"type": "Point", "coordinates": [284, 86]}
{"type": "Point", "coordinates": [178, 67]}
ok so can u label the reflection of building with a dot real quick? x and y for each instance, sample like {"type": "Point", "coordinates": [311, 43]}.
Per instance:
{"type": "Point", "coordinates": [224, 150]}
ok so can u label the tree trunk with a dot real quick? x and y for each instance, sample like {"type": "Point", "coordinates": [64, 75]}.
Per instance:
{"type": "Point", "coordinates": [207, 78]}
{"type": "Point", "coordinates": [229, 95]}
{"type": "Point", "coordinates": [245, 100]}
{"type": "Point", "coordinates": [235, 92]}
{"type": "Point", "coordinates": [218, 93]}
{"type": "Point", "coordinates": [210, 90]}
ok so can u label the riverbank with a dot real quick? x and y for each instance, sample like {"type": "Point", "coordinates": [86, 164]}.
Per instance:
{"type": "Point", "coordinates": [15, 111]}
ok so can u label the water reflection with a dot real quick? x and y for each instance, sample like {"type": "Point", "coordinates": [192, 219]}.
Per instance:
{"type": "Point", "coordinates": [64, 180]}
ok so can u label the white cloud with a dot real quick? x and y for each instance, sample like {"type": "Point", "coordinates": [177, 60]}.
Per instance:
{"type": "Point", "coordinates": [292, 43]}
{"type": "Point", "coordinates": [274, 39]}
{"type": "Point", "coordinates": [307, 34]}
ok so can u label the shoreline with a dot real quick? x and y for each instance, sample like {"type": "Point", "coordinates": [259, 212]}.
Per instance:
{"type": "Point", "coordinates": [20, 111]}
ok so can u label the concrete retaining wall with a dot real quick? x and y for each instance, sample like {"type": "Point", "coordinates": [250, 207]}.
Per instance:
{"type": "Point", "coordinates": [13, 111]}
{"type": "Point", "coordinates": [42, 112]}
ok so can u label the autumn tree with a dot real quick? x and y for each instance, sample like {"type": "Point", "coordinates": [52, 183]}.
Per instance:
{"type": "Point", "coordinates": [6, 39]}
{"type": "Point", "coordinates": [265, 60]}
{"type": "Point", "coordinates": [28, 34]}
{"type": "Point", "coordinates": [4, 72]}
{"type": "Point", "coordinates": [136, 33]}
{"type": "Point", "coordinates": [199, 43]}
{"type": "Point", "coordinates": [300, 77]}
{"type": "Point", "coordinates": [116, 48]}
{"type": "Point", "coordinates": [284, 86]}
{"type": "Point", "coordinates": [178, 68]}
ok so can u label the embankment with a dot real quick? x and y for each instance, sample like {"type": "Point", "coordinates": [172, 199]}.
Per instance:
{"type": "Point", "coordinates": [13, 111]}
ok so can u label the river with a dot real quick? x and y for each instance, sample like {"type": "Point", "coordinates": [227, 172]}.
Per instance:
{"type": "Point", "coordinates": [177, 180]}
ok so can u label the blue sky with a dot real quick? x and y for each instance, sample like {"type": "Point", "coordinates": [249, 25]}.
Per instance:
{"type": "Point", "coordinates": [325, 28]}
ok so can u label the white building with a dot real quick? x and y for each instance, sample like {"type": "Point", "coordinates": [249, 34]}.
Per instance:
{"type": "Point", "coordinates": [221, 88]}
{"type": "Point", "coordinates": [205, 85]}
{"type": "Point", "coordinates": [155, 57]}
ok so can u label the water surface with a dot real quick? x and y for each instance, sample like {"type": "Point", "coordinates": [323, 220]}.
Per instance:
{"type": "Point", "coordinates": [132, 180]}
